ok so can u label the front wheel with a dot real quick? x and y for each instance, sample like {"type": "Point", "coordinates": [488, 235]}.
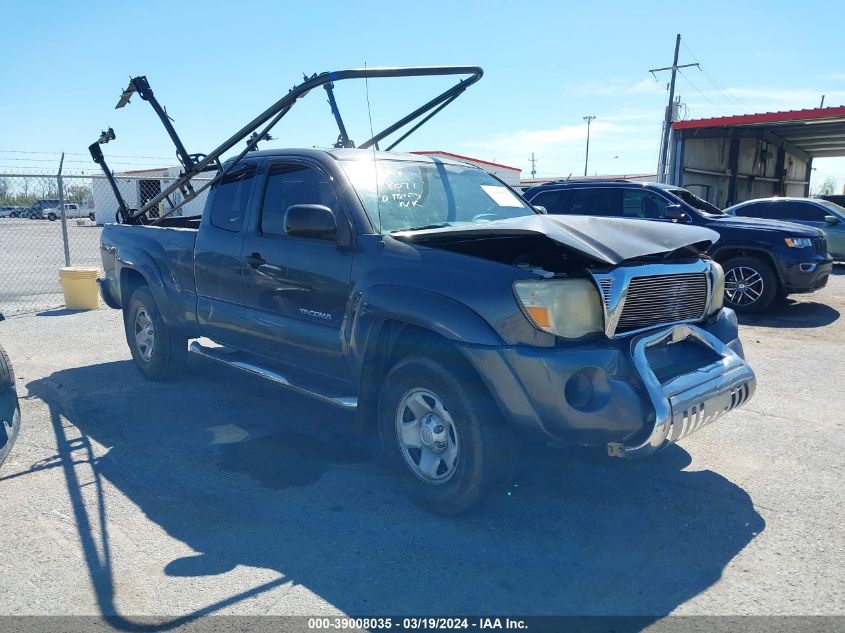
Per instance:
{"type": "Point", "coordinates": [52, 217]}
{"type": "Point", "coordinates": [750, 284]}
{"type": "Point", "coordinates": [10, 415]}
{"type": "Point", "coordinates": [158, 349]}
{"type": "Point", "coordinates": [440, 435]}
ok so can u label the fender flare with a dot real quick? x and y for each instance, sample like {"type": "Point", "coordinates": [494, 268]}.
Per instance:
{"type": "Point", "coordinates": [769, 255]}
{"type": "Point", "coordinates": [164, 290]}
{"type": "Point", "coordinates": [430, 311]}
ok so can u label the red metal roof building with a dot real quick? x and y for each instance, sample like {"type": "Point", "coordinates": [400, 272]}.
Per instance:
{"type": "Point", "coordinates": [506, 173]}
{"type": "Point", "coordinates": [735, 158]}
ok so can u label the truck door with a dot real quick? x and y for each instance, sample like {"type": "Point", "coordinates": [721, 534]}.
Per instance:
{"type": "Point", "coordinates": [296, 289]}
{"type": "Point", "coordinates": [217, 256]}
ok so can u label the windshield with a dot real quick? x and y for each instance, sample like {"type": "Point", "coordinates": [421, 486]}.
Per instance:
{"type": "Point", "coordinates": [405, 195]}
{"type": "Point", "coordinates": [694, 201]}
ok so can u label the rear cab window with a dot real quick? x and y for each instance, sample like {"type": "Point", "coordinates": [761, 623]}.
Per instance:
{"type": "Point", "coordinates": [230, 198]}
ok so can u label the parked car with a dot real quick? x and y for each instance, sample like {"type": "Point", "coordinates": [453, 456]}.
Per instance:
{"type": "Point", "coordinates": [835, 198]}
{"type": "Point", "coordinates": [10, 417]}
{"type": "Point", "coordinates": [72, 210]}
{"type": "Point", "coordinates": [815, 212]}
{"type": "Point", "coordinates": [8, 212]}
{"type": "Point", "coordinates": [37, 210]}
{"type": "Point", "coordinates": [429, 298]}
{"type": "Point", "coordinates": [762, 259]}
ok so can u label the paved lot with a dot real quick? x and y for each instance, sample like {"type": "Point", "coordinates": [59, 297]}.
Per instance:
{"type": "Point", "coordinates": [31, 253]}
{"type": "Point", "coordinates": [219, 493]}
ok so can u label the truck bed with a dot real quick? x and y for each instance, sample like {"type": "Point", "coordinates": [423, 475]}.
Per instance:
{"type": "Point", "coordinates": [163, 254]}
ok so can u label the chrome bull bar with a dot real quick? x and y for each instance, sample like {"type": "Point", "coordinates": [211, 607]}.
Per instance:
{"type": "Point", "coordinates": [691, 401]}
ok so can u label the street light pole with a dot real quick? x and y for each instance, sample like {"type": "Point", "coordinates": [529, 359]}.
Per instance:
{"type": "Point", "coordinates": [589, 120]}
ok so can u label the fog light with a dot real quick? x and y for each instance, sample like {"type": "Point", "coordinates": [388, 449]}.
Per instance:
{"type": "Point", "coordinates": [579, 390]}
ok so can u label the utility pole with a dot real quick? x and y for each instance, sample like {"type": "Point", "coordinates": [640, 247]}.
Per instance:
{"type": "Point", "coordinates": [667, 120]}
{"type": "Point", "coordinates": [533, 166]}
{"type": "Point", "coordinates": [589, 119]}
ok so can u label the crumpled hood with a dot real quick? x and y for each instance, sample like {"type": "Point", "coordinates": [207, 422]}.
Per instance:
{"type": "Point", "coordinates": [608, 240]}
{"type": "Point", "coordinates": [764, 224]}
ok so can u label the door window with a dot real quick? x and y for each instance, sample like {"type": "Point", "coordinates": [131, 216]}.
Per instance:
{"type": "Point", "coordinates": [290, 184]}
{"type": "Point", "coordinates": [804, 212]}
{"type": "Point", "coordinates": [231, 197]}
{"type": "Point", "coordinates": [769, 210]}
{"type": "Point", "coordinates": [595, 202]}
{"type": "Point", "coordinates": [553, 201]}
{"type": "Point", "coordinates": [641, 203]}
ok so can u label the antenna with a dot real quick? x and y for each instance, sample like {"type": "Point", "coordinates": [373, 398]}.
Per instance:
{"type": "Point", "coordinates": [533, 166]}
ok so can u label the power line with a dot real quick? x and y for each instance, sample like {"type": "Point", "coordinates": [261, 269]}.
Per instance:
{"type": "Point", "coordinates": [23, 151]}
{"type": "Point", "coordinates": [713, 81]}
{"type": "Point", "coordinates": [694, 87]}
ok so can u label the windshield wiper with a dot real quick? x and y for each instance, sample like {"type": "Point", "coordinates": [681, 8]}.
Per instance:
{"type": "Point", "coordinates": [425, 227]}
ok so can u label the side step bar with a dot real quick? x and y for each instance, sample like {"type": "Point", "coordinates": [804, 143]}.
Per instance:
{"type": "Point", "coordinates": [239, 360]}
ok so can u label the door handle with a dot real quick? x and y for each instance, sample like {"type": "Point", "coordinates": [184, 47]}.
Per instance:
{"type": "Point", "coordinates": [255, 260]}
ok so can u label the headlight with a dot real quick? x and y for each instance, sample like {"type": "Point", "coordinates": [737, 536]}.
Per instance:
{"type": "Point", "coordinates": [798, 242]}
{"type": "Point", "coordinates": [569, 308]}
{"type": "Point", "coordinates": [717, 294]}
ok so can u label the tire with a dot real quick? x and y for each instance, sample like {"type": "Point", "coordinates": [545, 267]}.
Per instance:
{"type": "Point", "coordinates": [10, 415]}
{"type": "Point", "coordinates": [750, 284]}
{"type": "Point", "coordinates": [52, 217]}
{"type": "Point", "coordinates": [158, 350]}
{"type": "Point", "coordinates": [91, 217]}
{"type": "Point", "coordinates": [463, 434]}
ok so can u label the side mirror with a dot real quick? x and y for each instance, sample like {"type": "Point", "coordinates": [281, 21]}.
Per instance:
{"type": "Point", "coordinates": [831, 219]}
{"type": "Point", "coordinates": [674, 212]}
{"type": "Point", "coordinates": [310, 220]}
{"type": "Point", "coordinates": [541, 209]}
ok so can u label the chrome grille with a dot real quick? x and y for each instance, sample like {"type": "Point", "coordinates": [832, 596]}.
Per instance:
{"type": "Point", "coordinates": [660, 299]}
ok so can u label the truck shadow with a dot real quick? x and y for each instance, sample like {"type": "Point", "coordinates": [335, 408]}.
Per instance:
{"type": "Point", "coordinates": [248, 475]}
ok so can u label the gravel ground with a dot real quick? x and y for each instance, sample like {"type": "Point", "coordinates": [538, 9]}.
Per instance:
{"type": "Point", "coordinates": [219, 493]}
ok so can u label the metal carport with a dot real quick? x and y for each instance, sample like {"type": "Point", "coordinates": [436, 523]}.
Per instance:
{"type": "Point", "coordinates": [730, 159]}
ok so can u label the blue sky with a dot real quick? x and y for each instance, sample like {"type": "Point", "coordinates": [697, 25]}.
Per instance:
{"type": "Point", "coordinates": [215, 65]}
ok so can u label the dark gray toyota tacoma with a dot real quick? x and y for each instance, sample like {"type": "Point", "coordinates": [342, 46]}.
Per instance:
{"type": "Point", "coordinates": [432, 300]}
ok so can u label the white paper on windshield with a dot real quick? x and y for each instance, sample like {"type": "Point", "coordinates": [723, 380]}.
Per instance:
{"type": "Point", "coordinates": [502, 196]}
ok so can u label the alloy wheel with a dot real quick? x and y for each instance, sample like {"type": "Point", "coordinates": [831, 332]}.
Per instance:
{"type": "Point", "coordinates": [144, 334]}
{"type": "Point", "coordinates": [427, 437]}
{"type": "Point", "coordinates": [743, 285]}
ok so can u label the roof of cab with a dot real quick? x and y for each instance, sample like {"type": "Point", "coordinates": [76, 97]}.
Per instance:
{"type": "Point", "coordinates": [353, 154]}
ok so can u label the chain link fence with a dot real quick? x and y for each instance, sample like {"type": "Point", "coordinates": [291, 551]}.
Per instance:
{"type": "Point", "coordinates": [35, 241]}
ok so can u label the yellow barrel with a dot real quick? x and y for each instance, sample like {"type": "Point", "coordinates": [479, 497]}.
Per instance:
{"type": "Point", "coordinates": [80, 286]}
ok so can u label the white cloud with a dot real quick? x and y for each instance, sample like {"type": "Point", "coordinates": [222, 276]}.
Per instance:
{"type": "Point", "coordinates": [618, 87]}
{"type": "Point", "coordinates": [614, 148]}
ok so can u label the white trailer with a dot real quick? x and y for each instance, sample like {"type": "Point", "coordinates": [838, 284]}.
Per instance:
{"type": "Point", "coordinates": [137, 187]}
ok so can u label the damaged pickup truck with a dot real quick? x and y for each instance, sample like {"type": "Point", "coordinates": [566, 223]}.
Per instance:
{"type": "Point", "coordinates": [450, 315]}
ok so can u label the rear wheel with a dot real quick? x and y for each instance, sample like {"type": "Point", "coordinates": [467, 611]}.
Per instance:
{"type": "Point", "coordinates": [10, 416]}
{"type": "Point", "coordinates": [750, 284]}
{"type": "Point", "coordinates": [52, 217]}
{"type": "Point", "coordinates": [158, 349]}
{"type": "Point", "coordinates": [440, 435]}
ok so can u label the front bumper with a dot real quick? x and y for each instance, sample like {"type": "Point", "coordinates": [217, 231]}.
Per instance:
{"type": "Point", "coordinates": [631, 395]}
{"type": "Point", "coordinates": [807, 274]}
{"type": "Point", "coordinates": [693, 400]}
